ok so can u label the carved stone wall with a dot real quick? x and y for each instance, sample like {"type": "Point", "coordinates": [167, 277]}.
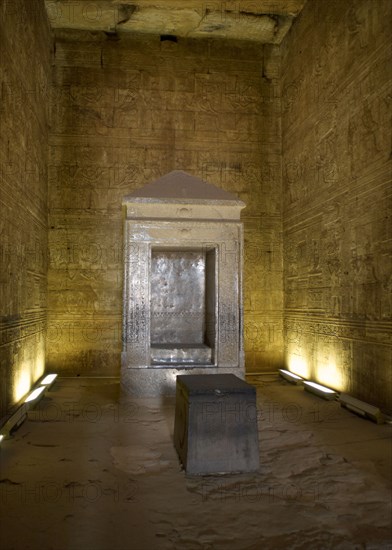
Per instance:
{"type": "Point", "coordinates": [125, 112]}
{"type": "Point", "coordinates": [336, 131]}
{"type": "Point", "coordinates": [25, 45]}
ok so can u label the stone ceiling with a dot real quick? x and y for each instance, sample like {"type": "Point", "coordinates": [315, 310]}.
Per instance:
{"type": "Point", "coordinates": [263, 21]}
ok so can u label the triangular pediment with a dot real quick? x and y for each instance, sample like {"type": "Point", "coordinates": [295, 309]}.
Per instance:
{"type": "Point", "coordinates": [178, 185]}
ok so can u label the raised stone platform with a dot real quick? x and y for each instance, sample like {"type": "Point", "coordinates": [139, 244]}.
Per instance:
{"type": "Point", "coordinates": [215, 428]}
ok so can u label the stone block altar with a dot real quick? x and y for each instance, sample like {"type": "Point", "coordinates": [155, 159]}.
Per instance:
{"type": "Point", "coordinates": [215, 430]}
{"type": "Point", "coordinates": [182, 300]}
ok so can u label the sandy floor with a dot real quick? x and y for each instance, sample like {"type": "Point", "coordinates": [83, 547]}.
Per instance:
{"type": "Point", "coordinates": [93, 470]}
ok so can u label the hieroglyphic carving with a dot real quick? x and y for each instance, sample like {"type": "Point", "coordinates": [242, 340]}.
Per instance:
{"type": "Point", "coordinates": [336, 156]}
{"type": "Point", "coordinates": [24, 101]}
{"type": "Point", "coordinates": [136, 301]}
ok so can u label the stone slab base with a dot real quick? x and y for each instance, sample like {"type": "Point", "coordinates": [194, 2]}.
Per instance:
{"type": "Point", "coordinates": [159, 381]}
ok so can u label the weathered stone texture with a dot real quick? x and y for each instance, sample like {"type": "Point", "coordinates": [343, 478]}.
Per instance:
{"type": "Point", "coordinates": [125, 112]}
{"type": "Point", "coordinates": [25, 45]}
{"type": "Point", "coordinates": [336, 131]}
{"type": "Point", "coordinates": [263, 21]}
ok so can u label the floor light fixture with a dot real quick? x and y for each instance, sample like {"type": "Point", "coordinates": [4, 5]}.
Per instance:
{"type": "Point", "coordinates": [321, 391]}
{"type": "Point", "coordinates": [290, 376]}
{"type": "Point", "coordinates": [48, 381]}
{"type": "Point", "coordinates": [35, 394]}
{"type": "Point", "coordinates": [20, 412]}
{"type": "Point", "coordinates": [361, 408]}
{"type": "Point", "coordinates": [15, 420]}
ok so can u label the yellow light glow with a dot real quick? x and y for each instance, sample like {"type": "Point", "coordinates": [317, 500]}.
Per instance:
{"type": "Point", "coordinates": [22, 383]}
{"type": "Point", "coordinates": [1, 437]}
{"type": "Point", "coordinates": [32, 368]}
{"type": "Point", "coordinates": [298, 365]}
{"type": "Point", "coordinates": [330, 375]}
{"type": "Point", "coordinates": [34, 394]}
{"type": "Point", "coordinates": [39, 363]}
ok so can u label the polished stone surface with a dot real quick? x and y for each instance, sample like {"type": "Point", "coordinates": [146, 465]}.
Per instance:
{"type": "Point", "coordinates": [178, 296]}
{"type": "Point", "coordinates": [181, 353]}
{"type": "Point", "coordinates": [215, 428]}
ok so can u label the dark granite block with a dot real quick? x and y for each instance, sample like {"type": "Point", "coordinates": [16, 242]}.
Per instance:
{"type": "Point", "coordinates": [215, 428]}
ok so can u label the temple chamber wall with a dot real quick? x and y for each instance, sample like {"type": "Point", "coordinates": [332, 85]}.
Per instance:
{"type": "Point", "coordinates": [125, 113]}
